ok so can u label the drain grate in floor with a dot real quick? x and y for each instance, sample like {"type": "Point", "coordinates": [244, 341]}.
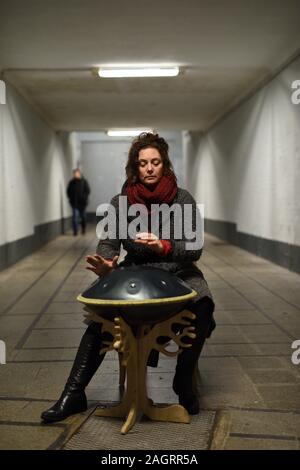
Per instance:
{"type": "Point", "coordinates": [104, 434]}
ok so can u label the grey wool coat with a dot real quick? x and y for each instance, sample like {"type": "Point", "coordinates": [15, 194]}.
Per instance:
{"type": "Point", "coordinates": [179, 261]}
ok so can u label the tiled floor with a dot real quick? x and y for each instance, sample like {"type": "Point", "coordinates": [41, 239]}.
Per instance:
{"type": "Point", "coordinates": [246, 371]}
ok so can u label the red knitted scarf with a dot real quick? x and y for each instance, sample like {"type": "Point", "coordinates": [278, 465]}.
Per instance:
{"type": "Point", "coordinates": [164, 192]}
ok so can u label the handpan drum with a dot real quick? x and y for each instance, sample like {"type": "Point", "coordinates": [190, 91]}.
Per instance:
{"type": "Point", "coordinates": [140, 294]}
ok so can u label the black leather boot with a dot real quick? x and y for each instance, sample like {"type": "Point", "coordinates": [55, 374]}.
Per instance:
{"type": "Point", "coordinates": [188, 358]}
{"type": "Point", "coordinates": [87, 360]}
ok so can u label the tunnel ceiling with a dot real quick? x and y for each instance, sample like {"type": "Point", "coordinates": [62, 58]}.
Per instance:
{"type": "Point", "coordinates": [226, 49]}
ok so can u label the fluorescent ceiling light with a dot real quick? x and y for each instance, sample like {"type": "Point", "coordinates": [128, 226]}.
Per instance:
{"type": "Point", "coordinates": [118, 72]}
{"type": "Point", "coordinates": [126, 132]}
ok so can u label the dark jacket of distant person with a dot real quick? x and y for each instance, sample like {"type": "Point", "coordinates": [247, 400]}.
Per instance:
{"type": "Point", "coordinates": [78, 192]}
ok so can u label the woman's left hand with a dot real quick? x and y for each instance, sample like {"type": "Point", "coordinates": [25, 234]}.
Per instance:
{"type": "Point", "coordinates": [150, 240]}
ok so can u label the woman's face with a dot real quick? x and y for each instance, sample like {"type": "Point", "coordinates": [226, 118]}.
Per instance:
{"type": "Point", "coordinates": [151, 166]}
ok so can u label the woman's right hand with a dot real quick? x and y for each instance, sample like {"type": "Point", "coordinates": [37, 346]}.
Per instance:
{"type": "Point", "coordinates": [101, 266]}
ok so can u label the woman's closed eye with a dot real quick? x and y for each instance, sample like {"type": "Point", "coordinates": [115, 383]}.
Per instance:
{"type": "Point", "coordinates": [155, 162]}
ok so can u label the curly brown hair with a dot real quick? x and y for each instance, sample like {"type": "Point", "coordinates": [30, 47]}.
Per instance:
{"type": "Point", "coordinates": [147, 140]}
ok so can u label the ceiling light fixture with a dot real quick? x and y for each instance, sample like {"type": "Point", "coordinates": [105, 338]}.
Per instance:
{"type": "Point", "coordinates": [126, 132]}
{"type": "Point", "coordinates": [149, 71]}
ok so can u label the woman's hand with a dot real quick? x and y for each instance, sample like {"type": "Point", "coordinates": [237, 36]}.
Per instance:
{"type": "Point", "coordinates": [151, 241]}
{"type": "Point", "coordinates": [99, 265]}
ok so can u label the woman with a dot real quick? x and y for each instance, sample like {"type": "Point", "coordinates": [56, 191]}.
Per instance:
{"type": "Point", "coordinates": [150, 179]}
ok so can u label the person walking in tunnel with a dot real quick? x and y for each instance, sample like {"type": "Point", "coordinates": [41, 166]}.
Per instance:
{"type": "Point", "coordinates": [150, 179]}
{"type": "Point", "coordinates": [78, 191]}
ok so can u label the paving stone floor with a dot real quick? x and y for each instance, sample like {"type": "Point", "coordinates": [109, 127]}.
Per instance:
{"type": "Point", "coordinates": [247, 376]}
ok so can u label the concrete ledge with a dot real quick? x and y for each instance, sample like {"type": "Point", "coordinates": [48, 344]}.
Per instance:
{"type": "Point", "coordinates": [12, 252]}
{"type": "Point", "coordinates": [283, 254]}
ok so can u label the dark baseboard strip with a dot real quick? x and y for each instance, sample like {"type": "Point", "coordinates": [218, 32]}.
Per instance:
{"type": "Point", "coordinates": [283, 254]}
{"type": "Point", "coordinates": [91, 217]}
{"type": "Point", "coordinates": [12, 252]}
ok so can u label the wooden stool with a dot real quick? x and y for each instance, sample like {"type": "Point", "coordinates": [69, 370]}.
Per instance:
{"type": "Point", "coordinates": [134, 350]}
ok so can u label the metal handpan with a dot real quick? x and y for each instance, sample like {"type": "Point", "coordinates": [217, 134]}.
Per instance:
{"type": "Point", "coordinates": [139, 294]}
